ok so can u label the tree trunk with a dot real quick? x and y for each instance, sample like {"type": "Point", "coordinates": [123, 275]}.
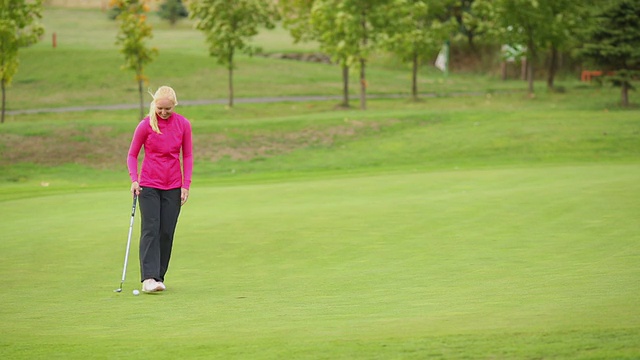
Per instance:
{"type": "Point", "coordinates": [230, 86]}
{"type": "Point", "coordinates": [230, 67]}
{"type": "Point", "coordinates": [414, 77]}
{"type": "Point", "coordinates": [363, 85]}
{"type": "Point", "coordinates": [530, 72]}
{"type": "Point", "coordinates": [4, 99]}
{"type": "Point", "coordinates": [625, 93]}
{"type": "Point", "coordinates": [140, 80]}
{"type": "Point", "coordinates": [471, 43]}
{"type": "Point", "coordinates": [531, 59]}
{"type": "Point", "coordinates": [363, 61]}
{"type": "Point", "coordinates": [553, 66]}
{"type": "Point", "coordinates": [345, 86]}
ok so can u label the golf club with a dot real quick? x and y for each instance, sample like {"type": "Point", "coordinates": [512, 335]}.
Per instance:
{"type": "Point", "coordinates": [126, 255]}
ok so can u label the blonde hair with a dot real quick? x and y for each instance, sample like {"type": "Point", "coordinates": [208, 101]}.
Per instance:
{"type": "Point", "coordinates": [163, 92]}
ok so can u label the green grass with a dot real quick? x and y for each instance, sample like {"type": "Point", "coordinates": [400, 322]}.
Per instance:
{"type": "Point", "coordinates": [484, 226]}
{"type": "Point", "coordinates": [513, 263]}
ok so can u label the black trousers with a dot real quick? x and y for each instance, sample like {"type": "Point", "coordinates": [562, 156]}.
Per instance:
{"type": "Point", "coordinates": [159, 211]}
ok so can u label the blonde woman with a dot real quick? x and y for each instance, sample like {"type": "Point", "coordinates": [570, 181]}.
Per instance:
{"type": "Point", "coordinates": [162, 184]}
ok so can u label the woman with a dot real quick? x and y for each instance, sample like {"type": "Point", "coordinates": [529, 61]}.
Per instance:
{"type": "Point", "coordinates": [162, 186]}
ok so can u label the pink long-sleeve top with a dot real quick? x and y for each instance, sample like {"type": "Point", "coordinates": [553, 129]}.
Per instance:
{"type": "Point", "coordinates": [161, 164]}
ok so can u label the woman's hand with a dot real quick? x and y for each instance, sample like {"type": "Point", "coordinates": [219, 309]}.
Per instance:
{"type": "Point", "coordinates": [184, 195]}
{"type": "Point", "coordinates": [135, 188]}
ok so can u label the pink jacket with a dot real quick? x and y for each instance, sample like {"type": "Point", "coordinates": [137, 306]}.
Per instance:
{"type": "Point", "coordinates": [161, 164]}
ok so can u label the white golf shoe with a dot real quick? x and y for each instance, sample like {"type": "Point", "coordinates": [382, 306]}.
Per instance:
{"type": "Point", "coordinates": [161, 286]}
{"type": "Point", "coordinates": [150, 285]}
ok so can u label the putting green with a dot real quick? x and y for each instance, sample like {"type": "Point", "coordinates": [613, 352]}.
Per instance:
{"type": "Point", "coordinates": [507, 263]}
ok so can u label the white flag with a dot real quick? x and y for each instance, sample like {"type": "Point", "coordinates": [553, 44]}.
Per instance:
{"type": "Point", "coordinates": [441, 60]}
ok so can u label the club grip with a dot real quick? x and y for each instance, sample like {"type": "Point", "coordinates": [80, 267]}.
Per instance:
{"type": "Point", "coordinates": [133, 207]}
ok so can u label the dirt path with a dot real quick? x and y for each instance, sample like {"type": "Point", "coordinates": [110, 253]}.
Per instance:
{"type": "Point", "coordinates": [256, 100]}
{"type": "Point", "coordinates": [182, 103]}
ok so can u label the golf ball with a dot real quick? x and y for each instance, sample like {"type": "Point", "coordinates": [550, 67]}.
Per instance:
{"type": "Point", "coordinates": [136, 292]}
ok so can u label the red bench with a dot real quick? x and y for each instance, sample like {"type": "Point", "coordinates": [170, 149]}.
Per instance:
{"type": "Point", "coordinates": [588, 74]}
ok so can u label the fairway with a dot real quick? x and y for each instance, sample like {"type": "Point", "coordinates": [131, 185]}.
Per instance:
{"type": "Point", "coordinates": [498, 263]}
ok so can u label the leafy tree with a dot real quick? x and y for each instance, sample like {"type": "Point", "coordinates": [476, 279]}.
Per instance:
{"type": "Point", "coordinates": [613, 44]}
{"type": "Point", "coordinates": [229, 25]}
{"type": "Point", "coordinates": [349, 31]}
{"type": "Point", "coordinates": [133, 33]}
{"type": "Point", "coordinates": [461, 10]}
{"type": "Point", "coordinates": [523, 24]}
{"type": "Point", "coordinates": [296, 16]}
{"type": "Point", "coordinates": [517, 22]}
{"type": "Point", "coordinates": [113, 12]}
{"type": "Point", "coordinates": [172, 10]}
{"type": "Point", "coordinates": [415, 31]}
{"type": "Point", "coordinates": [565, 17]}
{"type": "Point", "coordinates": [19, 27]}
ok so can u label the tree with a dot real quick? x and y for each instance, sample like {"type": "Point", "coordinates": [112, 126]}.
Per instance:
{"type": "Point", "coordinates": [229, 25]}
{"type": "Point", "coordinates": [564, 19]}
{"type": "Point", "coordinates": [172, 10]}
{"type": "Point", "coordinates": [517, 22]}
{"type": "Point", "coordinates": [523, 21]}
{"type": "Point", "coordinates": [304, 26]}
{"type": "Point", "coordinates": [461, 10]}
{"type": "Point", "coordinates": [349, 31]}
{"type": "Point", "coordinates": [296, 16]}
{"type": "Point", "coordinates": [613, 44]}
{"type": "Point", "coordinates": [134, 31]}
{"type": "Point", "coordinates": [19, 27]}
{"type": "Point", "coordinates": [415, 31]}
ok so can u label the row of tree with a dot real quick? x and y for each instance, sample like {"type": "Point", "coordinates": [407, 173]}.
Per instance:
{"type": "Point", "coordinates": [350, 31]}
{"type": "Point", "coordinates": [604, 33]}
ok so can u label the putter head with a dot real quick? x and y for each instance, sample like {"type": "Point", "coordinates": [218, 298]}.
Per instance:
{"type": "Point", "coordinates": [118, 290]}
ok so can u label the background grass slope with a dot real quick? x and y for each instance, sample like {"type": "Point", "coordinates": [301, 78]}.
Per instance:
{"type": "Point", "coordinates": [291, 139]}
{"type": "Point", "coordinates": [84, 68]}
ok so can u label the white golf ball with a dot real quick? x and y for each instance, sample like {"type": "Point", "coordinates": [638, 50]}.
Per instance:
{"type": "Point", "coordinates": [136, 292]}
